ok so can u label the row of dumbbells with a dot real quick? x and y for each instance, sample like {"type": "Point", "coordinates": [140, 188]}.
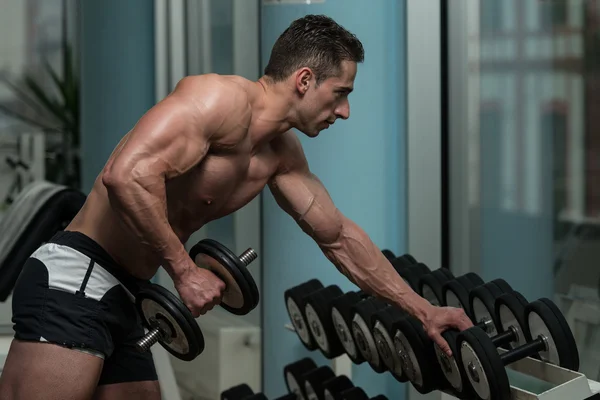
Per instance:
{"type": "Point", "coordinates": [367, 329]}
{"type": "Point", "coordinates": [307, 381]}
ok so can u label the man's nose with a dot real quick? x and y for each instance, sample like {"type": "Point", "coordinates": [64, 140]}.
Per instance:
{"type": "Point", "coordinates": [343, 111]}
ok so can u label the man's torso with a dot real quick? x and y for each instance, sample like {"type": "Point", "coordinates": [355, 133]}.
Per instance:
{"type": "Point", "coordinates": [234, 171]}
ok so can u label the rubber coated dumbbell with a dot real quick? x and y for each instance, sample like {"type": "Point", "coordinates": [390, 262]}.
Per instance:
{"type": "Point", "coordinates": [416, 351]}
{"type": "Point", "coordinates": [410, 270]}
{"type": "Point", "coordinates": [482, 302]}
{"type": "Point", "coordinates": [385, 324]}
{"type": "Point", "coordinates": [238, 392]}
{"type": "Point", "coordinates": [315, 380]}
{"type": "Point", "coordinates": [430, 285]}
{"type": "Point", "coordinates": [171, 323]}
{"type": "Point", "coordinates": [549, 336]}
{"type": "Point", "coordinates": [512, 332]}
{"type": "Point", "coordinates": [455, 293]}
{"type": "Point", "coordinates": [294, 375]}
{"type": "Point", "coordinates": [320, 323]}
{"type": "Point", "coordinates": [341, 315]}
{"type": "Point", "coordinates": [362, 330]}
{"type": "Point", "coordinates": [334, 387]}
{"type": "Point", "coordinates": [295, 301]}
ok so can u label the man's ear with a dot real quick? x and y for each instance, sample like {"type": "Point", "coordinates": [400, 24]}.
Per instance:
{"type": "Point", "coordinates": [304, 76]}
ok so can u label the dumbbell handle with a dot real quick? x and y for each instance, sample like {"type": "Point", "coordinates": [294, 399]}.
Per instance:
{"type": "Point", "coordinates": [148, 340]}
{"type": "Point", "coordinates": [248, 256]}
{"type": "Point", "coordinates": [485, 324]}
{"type": "Point", "coordinates": [505, 337]}
{"type": "Point", "coordinates": [526, 350]}
{"type": "Point", "coordinates": [153, 336]}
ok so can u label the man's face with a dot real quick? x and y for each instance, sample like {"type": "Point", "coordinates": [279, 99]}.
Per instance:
{"type": "Point", "coordinates": [321, 106]}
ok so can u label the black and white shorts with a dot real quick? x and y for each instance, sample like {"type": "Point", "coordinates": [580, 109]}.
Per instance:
{"type": "Point", "coordinates": [72, 293]}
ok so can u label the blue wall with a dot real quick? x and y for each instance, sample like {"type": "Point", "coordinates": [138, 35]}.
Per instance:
{"type": "Point", "coordinates": [117, 74]}
{"type": "Point", "coordinates": [361, 161]}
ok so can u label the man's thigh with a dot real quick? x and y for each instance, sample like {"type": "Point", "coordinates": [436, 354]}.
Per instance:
{"type": "Point", "coordinates": [37, 370]}
{"type": "Point", "coordinates": [128, 373]}
{"type": "Point", "coordinates": [147, 390]}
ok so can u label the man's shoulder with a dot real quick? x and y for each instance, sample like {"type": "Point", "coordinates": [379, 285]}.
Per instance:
{"type": "Point", "coordinates": [289, 151]}
{"type": "Point", "coordinates": [227, 86]}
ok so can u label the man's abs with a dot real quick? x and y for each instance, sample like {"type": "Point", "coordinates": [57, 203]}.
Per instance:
{"type": "Point", "coordinates": [220, 185]}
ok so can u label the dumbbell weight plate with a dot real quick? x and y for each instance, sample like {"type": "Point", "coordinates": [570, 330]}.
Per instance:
{"type": "Point", "coordinates": [430, 285]}
{"type": "Point", "coordinates": [257, 396]}
{"type": "Point", "coordinates": [294, 374]}
{"type": "Point", "coordinates": [341, 315]}
{"type": "Point", "coordinates": [415, 349]}
{"type": "Point", "coordinates": [356, 393]}
{"type": "Point", "coordinates": [295, 301]}
{"type": "Point", "coordinates": [362, 331]}
{"type": "Point", "coordinates": [289, 396]}
{"type": "Point", "coordinates": [241, 293]}
{"type": "Point", "coordinates": [543, 318]}
{"type": "Point", "coordinates": [384, 324]}
{"type": "Point", "coordinates": [320, 323]}
{"type": "Point", "coordinates": [483, 366]}
{"type": "Point", "coordinates": [482, 301]}
{"type": "Point", "coordinates": [456, 292]}
{"type": "Point", "coordinates": [158, 307]}
{"type": "Point", "coordinates": [237, 392]}
{"type": "Point", "coordinates": [510, 312]}
{"type": "Point", "coordinates": [333, 388]}
{"type": "Point", "coordinates": [452, 367]}
{"type": "Point", "coordinates": [388, 254]}
{"type": "Point", "coordinates": [411, 273]}
{"type": "Point", "coordinates": [314, 382]}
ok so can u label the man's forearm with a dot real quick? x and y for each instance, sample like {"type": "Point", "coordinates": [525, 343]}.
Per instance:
{"type": "Point", "coordinates": [142, 208]}
{"type": "Point", "coordinates": [357, 257]}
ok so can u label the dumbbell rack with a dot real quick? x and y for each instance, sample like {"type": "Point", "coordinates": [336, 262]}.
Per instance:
{"type": "Point", "coordinates": [565, 384]}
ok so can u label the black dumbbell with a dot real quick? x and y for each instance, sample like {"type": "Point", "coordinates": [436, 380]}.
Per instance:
{"type": "Point", "coordinates": [385, 324]}
{"type": "Point", "coordinates": [430, 285]}
{"type": "Point", "coordinates": [314, 382]}
{"type": "Point", "coordinates": [318, 317]}
{"type": "Point", "coordinates": [416, 351]}
{"type": "Point", "coordinates": [294, 376]}
{"type": "Point", "coordinates": [341, 315]}
{"type": "Point", "coordinates": [295, 302]}
{"type": "Point", "coordinates": [289, 396]}
{"type": "Point", "coordinates": [482, 302]}
{"type": "Point", "coordinates": [171, 323]}
{"type": "Point", "coordinates": [552, 340]}
{"type": "Point", "coordinates": [257, 396]}
{"type": "Point", "coordinates": [411, 272]}
{"type": "Point", "coordinates": [362, 316]}
{"type": "Point", "coordinates": [355, 393]}
{"type": "Point", "coordinates": [237, 392]}
{"type": "Point", "coordinates": [456, 291]}
{"type": "Point", "coordinates": [333, 388]}
{"type": "Point", "coordinates": [510, 313]}
{"type": "Point", "coordinates": [512, 330]}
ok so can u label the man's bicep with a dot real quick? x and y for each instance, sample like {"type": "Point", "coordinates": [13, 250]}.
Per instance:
{"type": "Point", "coordinates": [302, 195]}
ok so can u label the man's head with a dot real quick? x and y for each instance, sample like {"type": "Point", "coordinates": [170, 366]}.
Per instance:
{"type": "Point", "coordinates": [318, 58]}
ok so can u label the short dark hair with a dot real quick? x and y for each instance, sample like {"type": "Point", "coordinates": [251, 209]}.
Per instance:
{"type": "Point", "coordinates": [314, 41]}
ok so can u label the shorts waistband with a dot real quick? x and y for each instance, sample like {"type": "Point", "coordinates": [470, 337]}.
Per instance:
{"type": "Point", "coordinates": [88, 246]}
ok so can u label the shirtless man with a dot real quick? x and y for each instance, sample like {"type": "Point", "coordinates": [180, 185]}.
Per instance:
{"type": "Point", "coordinates": [203, 152]}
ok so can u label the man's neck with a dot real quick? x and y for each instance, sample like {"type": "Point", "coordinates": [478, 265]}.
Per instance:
{"type": "Point", "coordinates": [272, 110]}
